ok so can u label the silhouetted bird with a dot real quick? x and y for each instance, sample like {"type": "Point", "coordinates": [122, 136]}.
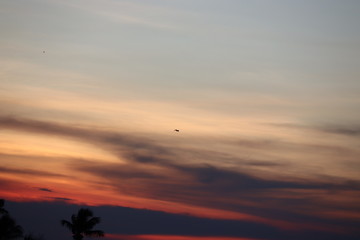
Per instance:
{"type": "Point", "coordinates": [177, 130]}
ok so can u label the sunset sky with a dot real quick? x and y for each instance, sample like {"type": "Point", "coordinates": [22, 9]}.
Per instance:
{"type": "Point", "coordinates": [265, 93]}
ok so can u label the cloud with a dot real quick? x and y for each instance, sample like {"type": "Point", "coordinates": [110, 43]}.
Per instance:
{"type": "Point", "coordinates": [119, 171]}
{"type": "Point", "coordinates": [29, 172]}
{"type": "Point", "coordinates": [119, 12]}
{"type": "Point", "coordinates": [60, 198]}
{"type": "Point", "coordinates": [115, 142]}
{"type": "Point", "coordinates": [156, 150]}
{"type": "Point", "coordinates": [352, 130]}
{"type": "Point", "coordinates": [151, 169]}
{"type": "Point", "coordinates": [216, 188]}
{"type": "Point", "coordinates": [8, 184]}
{"type": "Point", "coordinates": [349, 131]}
{"type": "Point", "coordinates": [45, 189]}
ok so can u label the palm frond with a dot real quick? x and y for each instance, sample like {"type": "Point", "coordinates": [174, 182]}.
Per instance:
{"type": "Point", "coordinates": [74, 218]}
{"type": "Point", "coordinates": [92, 222]}
{"type": "Point", "coordinates": [67, 224]}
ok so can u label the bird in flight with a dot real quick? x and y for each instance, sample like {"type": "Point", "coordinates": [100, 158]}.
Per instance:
{"type": "Point", "coordinates": [176, 130]}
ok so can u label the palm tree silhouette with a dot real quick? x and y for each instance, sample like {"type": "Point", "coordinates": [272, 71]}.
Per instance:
{"type": "Point", "coordinates": [9, 229]}
{"type": "Point", "coordinates": [82, 224]}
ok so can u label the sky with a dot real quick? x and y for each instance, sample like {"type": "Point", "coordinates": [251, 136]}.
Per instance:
{"type": "Point", "coordinates": [265, 94]}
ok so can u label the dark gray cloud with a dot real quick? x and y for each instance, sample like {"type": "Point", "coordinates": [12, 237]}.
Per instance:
{"type": "Point", "coordinates": [142, 149]}
{"type": "Point", "coordinates": [60, 198]}
{"type": "Point", "coordinates": [154, 171]}
{"type": "Point", "coordinates": [45, 190]}
{"type": "Point", "coordinates": [213, 187]}
{"type": "Point", "coordinates": [119, 171]}
{"type": "Point", "coordinates": [350, 131]}
{"type": "Point", "coordinates": [353, 130]}
{"type": "Point", "coordinates": [29, 172]}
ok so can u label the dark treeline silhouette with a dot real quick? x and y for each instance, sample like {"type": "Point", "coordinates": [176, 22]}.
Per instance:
{"type": "Point", "coordinates": [82, 224]}
{"type": "Point", "coordinates": [8, 228]}
{"type": "Point", "coordinates": [2, 209]}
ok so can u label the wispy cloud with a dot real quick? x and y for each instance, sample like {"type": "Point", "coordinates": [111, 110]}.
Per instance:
{"type": "Point", "coordinates": [31, 172]}
{"type": "Point", "coordinates": [128, 12]}
{"type": "Point", "coordinates": [148, 168]}
{"type": "Point", "coordinates": [352, 130]}
{"type": "Point", "coordinates": [45, 189]}
{"type": "Point", "coordinates": [234, 191]}
{"type": "Point", "coordinates": [60, 198]}
{"type": "Point", "coordinates": [111, 141]}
